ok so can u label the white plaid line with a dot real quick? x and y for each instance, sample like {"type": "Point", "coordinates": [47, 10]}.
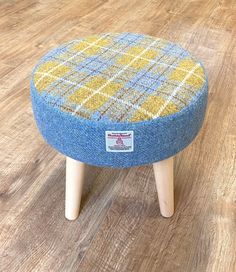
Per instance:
{"type": "Point", "coordinates": [181, 69]}
{"type": "Point", "coordinates": [176, 90]}
{"type": "Point", "coordinates": [114, 77]}
{"type": "Point", "coordinates": [123, 102]}
{"type": "Point", "coordinates": [152, 61]}
{"type": "Point", "coordinates": [52, 76]}
{"type": "Point", "coordinates": [101, 93]}
{"type": "Point", "coordinates": [72, 57]}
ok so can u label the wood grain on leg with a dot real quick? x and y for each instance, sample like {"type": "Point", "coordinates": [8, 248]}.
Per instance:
{"type": "Point", "coordinates": [163, 172]}
{"type": "Point", "coordinates": [74, 186]}
{"type": "Point", "coordinates": [33, 233]}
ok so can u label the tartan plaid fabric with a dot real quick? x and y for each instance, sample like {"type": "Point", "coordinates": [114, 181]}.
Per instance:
{"type": "Point", "coordinates": [119, 77]}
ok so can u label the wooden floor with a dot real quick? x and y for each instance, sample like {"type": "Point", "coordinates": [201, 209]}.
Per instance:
{"type": "Point", "coordinates": [120, 227]}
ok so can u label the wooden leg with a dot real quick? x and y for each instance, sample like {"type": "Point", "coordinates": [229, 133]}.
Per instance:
{"type": "Point", "coordinates": [74, 185]}
{"type": "Point", "coordinates": [163, 172]}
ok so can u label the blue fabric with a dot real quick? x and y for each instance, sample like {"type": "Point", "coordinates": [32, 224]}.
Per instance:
{"type": "Point", "coordinates": [84, 140]}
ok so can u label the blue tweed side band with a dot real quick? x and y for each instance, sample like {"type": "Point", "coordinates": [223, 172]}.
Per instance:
{"type": "Point", "coordinates": [111, 121]}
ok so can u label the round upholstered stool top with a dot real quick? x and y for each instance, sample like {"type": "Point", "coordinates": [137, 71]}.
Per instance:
{"type": "Point", "coordinates": [119, 99]}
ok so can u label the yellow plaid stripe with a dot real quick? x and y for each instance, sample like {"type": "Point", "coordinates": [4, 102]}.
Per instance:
{"type": "Point", "coordinates": [99, 73]}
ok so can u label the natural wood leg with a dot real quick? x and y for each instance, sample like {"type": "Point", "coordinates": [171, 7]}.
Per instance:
{"type": "Point", "coordinates": [163, 172]}
{"type": "Point", "coordinates": [74, 185]}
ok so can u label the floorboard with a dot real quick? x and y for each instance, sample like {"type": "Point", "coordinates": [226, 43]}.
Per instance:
{"type": "Point", "coordinates": [120, 227]}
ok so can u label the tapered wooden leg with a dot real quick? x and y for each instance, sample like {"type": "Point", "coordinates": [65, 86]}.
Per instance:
{"type": "Point", "coordinates": [163, 171]}
{"type": "Point", "coordinates": [74, 186]}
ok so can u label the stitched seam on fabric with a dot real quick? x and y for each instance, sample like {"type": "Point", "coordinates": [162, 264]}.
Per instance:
{"type": "Point", "coordinates": [108, 96]}
{"type": "Point", "coordinates": [143, 83]}
{"type": "Point", "coordinates": [107, 49]}
{"type": "Point", "coordinates": [203, 91]}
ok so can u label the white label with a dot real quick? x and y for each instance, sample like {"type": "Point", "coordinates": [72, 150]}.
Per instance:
{"type": "Point", "coordinates": [119, 141]}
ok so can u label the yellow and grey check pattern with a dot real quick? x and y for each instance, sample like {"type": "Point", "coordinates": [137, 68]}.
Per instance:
{"type": "Point", "coordinates": [119, 77]}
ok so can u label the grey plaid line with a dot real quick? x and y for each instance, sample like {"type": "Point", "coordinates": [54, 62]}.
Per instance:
{"type": "Point", "coordinates": [94, 92]}
{"type": "Point", "coordinates": [129, 107]}
{"type": "Point", "coordinates": [176, 90]}
{"type": "Point", "coordinates": [84, 77]}
{"type": "Point", "coordinates": [80, 52]}
{"type": "Point", "coordinates": [140, 99]}
{"type": "Point", "coordinates": [105, 108]}
{"type": "Point", "coordinates": [112, 79]}
{"type": "Point", "coordinates": [125, 95]}
{"type": "Point", "coordinates": [107, 49]}
{"type": "Point", "coordinates": [164, 53]}
{"type": "Point", "coordinates": [69, 93]}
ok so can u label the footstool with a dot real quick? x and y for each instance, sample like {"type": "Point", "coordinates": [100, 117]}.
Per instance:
{"type": "Point", "coordinates": [119, 100]}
